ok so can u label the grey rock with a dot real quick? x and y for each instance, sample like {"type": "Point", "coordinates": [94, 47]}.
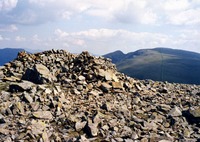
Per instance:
{"type": "Point", "coordinates": [80, 125]}
{"type": "Point", "coordinates": [164, 141]}
{"type": "Point", "coordinates": [28, 97]}
{"type": "Point", "coordinates": [92, 129]}
{"type": "Point", "coordinates": [4, 131]}
{"type": "Point", "coordinates": [129, 140]}
{"type": "Point", "coordinates": [43, 115]}
{"type": "Point", "coordinates": [196, 92]}
{"type": "Point", "coordinates": [11, 79]}
{"type": "Point", "coordinates": [47, 91]}
{"type": "Point", "coordinates": [119, 139]}
{"type": "Point", "coordinates": [126, 131]}
{"type": "Point", "coordinates": [117, 85]}
{"type": "Point", "coordinates": [106, 106]}
{"type": "Point", "coordinates": [107, 74]}
{"type": "Point", "coordinates": [193, 115]}
{"type": "Point", "coordinates": [45, 137]}
{"type": "Point", "coordinates": [164, 107]}
{"type": "Point", "coordinates": [150, 126]}
{"type": "Point", "coordinates": [136, 100]}
{"type": "Point", "coordinates": [2, 120]}
{"type": "Point", "coordinates": [187, 133]}
{"type": "Point", "coordinates": [195, 112]}
{"type": "Point", "coordinates": [144, 140]}
{"type": "Point", "coordinates": [37, 127]}
{"type": "Point", "coordinates": [105, 127]}
{"type": "Point", "coordinates": [40, 74]}
{"type": "Point", "coordinates": [163, 90]}
{"type": "Point", "coordinates": [79, 87]}
{"type": "Point", "coordinates": [105, 87]}
{"type": "Point", "coordinates": [134, 136]}
{"type": "Point", "coordinates": [81, 78]}
{"type": "Point", "coordinates": [22, 86]}
{"type": "Point", "coordinates": [175, 112]}
{"type": "Point", "coordinates": [83, 139]}
{"type": "Point", "coordinates": [1, 74]}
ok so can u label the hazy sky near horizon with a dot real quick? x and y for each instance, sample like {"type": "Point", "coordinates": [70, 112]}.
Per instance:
{"type": "Point", "coordinates": [100, 26]}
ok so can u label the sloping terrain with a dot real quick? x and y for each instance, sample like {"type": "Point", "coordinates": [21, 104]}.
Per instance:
{"type": "Point", "coordinates": [8, 54]}
{"type": "Point", "coordinates": [59, 96]}
{"type": "Point", "coordinates": [160, 64]}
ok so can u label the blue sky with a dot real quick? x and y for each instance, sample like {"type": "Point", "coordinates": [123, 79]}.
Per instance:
{"type": "Point", "coordinates": [100, 26]}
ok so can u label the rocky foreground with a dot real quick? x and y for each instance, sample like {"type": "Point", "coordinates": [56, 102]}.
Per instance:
{"type": "Point", "coordinates": [59, 96]}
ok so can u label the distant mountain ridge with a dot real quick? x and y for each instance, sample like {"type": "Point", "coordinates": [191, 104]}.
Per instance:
{"type": "Point", "coordinates": [160, 64]}
{"type": "Point", "coordinates": [8, 54]}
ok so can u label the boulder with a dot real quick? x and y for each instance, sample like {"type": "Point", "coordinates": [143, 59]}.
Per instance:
{"type": "Point", "coordinates": [40, 74]}
{"type": "Point", "coordinates": [105, 87]}
{"type": "Point", "coordinates": [21, 87]}
{"type": "Point", "coordinates": [43, 115]}
{"type": "Point", "coordinates": [193, 115]}
{"type": "Point", "coordinates": [175, 112]}
{"type": "Point", "coordinates": [80, 125]}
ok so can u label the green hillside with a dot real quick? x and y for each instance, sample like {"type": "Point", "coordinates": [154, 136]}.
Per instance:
{"type": "Point", "coordinates": [161, 64]}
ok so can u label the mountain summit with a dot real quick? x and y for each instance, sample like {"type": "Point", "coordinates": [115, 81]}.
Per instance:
{"type": "Point", "coordinates": [59, 96]}
{"type": "Point", "coordinates": [161, 64]}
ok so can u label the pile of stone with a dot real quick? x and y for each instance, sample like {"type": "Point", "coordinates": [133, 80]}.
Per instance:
{"type": "Point", "coordinates": [59, 96]}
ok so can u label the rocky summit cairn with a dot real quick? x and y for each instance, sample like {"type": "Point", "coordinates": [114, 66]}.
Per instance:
{"type": "Point", "coordinates": [57, 96]}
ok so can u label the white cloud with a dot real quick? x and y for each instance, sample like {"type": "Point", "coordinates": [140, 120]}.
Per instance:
{"type": "Point", "coordinates": [20, 39]}
{"type": "Point", "coordinates": [41, 2]}
{"type": "Point", "coordinates": [176, 5]}
{"type": "Point", "coordinates": [188, 17]}
{"type": "Point", "coordinates": [13, 28]}
{"type": "Point", "coordinates": [7, 5]}
{"type": "Point", "coordinates": [101, 26]}
{"type": "Point", "coordinates": [2, 38]}
{"type": "Point", "coordinates": [136, 12]}
{"type": "Point", "coordinates": [68, 38]}
{"type": "Point", "coordinates": [181, 12]}
{"type": "Point", "coordinates": [65, 15]}
{"type": "Point", "coordinates": [36, 38]}
{"type": "Point", "coordinates": [78, 42]}
{"type": "Point", "coordinates": [101, 41]}
{"type": "Point", "coordinates": [149, 17]}
{"type": "Point", "coordinates": [96, 33]}
{"type": "Point", "coordinates": [60, 34]}
{"type": "Point", "coordinates": [8, 28]}
{"type": "Point", "coordinates": [121, 11]}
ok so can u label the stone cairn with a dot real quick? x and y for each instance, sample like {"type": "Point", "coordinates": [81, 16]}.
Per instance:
{"type": "Point", "coordinates": [57, 96]}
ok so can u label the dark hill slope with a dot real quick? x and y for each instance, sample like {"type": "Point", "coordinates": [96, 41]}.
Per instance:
{"type": "Point", "coordinates": [116, 56]}
{"type": "Point", "coordinates": [161, 64]}
{"type": "Point", "coordinates": [8, 54]}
